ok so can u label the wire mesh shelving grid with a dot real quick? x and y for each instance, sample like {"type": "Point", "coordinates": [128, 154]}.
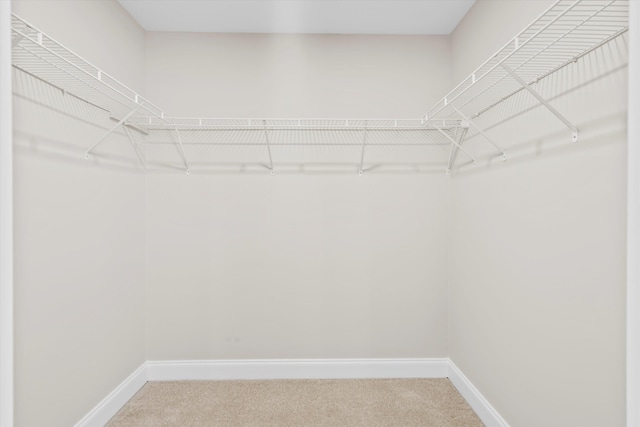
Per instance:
{"type": "Point", "coordinates": [564, 33]}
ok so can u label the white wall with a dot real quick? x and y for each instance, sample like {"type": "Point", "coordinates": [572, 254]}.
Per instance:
{"type": "Point", "coordinates": [305, 265]}
{"type": "Point", "coordinates": [281, 75]}
{"type": "Point", "coordinates": [537, 297]}
{"type": "Point", "coordinates": [295, 267]}
{"type": "Point", "coordinates": [633, 224]}
{"type": "Point", "coordinates": [6, 222]}
{"type": "Point", "coordinates": [79, 226]}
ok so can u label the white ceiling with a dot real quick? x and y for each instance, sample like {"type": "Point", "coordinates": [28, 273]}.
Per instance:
{"type": "Point", "coordinates": [300, 16]}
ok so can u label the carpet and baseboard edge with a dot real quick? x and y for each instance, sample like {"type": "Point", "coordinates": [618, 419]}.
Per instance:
{"type": "Point", "coordinates": [110, 405]}
{"type": "Point", "coordinates": [487, 413]}
{"type": "Point", "coordinates": [256, 369]}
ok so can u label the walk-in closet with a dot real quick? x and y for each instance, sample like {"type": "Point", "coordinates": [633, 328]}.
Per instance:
{"type": "Point", "coordinates": [307, 212]}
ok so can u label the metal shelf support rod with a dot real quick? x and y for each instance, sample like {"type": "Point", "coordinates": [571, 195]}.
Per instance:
{"type": "Point", "coordinates": [110, 131]}
{"type": "Point", "coordinates": [135, 146]}
{"type": "Point", "coordinates": [551, 108]}
{"type": "Point", "coordinates": [181, 151]}
{"type": "Point", "coordinates": [266, 137]}
{"type": "Point", "coordinates": [364, 143]}
{"type": "Point", "coordinates": [451, 159]}
{"type": "Point", "coordinates": [455, 143]}
{"type": "Point", "coordinates": [481, 132]}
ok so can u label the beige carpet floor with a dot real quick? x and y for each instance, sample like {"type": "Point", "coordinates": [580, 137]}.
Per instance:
{"type": "Point", "coordinates": [377, 402]}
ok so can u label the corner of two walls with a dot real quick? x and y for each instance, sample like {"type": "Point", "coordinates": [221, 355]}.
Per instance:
{"type": "Point", "coordinates": [537, 281]}
{"type": "Point", "coordinates": [78, 225]}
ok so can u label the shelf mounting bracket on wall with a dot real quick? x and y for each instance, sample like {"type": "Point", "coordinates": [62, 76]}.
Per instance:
{"type": "Point", "coordinates": [134, 145]}
{"type": "Point", "coordinates": [266, 137]}
{"type": "Point", "coordinates": [364, 143]}
{"type": "Point", "coordinates": [453, 147]}
{"type": "Point", "coordinates": [481, 132]}
{"type": "Point", "coordinates": [110, 131]}
{"type": "Point", "coordinates": [551, 108]}
{"type": "Point", "coordinates": [181, 151]}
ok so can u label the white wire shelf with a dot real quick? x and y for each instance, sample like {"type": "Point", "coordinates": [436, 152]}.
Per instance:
{"type": "Point", "coordinates": [293, 123]}
{"type": "Point", "coordinates": [40, 56]}
{"type": "Point", "coordinates": [567, 31]}
{"type": "Point", "coordinates": [559, 37]}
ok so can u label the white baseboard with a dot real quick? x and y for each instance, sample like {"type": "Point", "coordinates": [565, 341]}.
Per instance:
{"type": "Point", "coordinates": [256, 369]}
{"type": "Point", "coordinates": [296, 369]}
{"type": "Point", "coordinates": [487, 413]}
{"type": "Point", "coordinates": [110, 405]}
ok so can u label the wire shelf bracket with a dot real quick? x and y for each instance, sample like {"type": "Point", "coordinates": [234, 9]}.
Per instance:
{"type": "Point", "coordinates": [551, 108]}
{"type": "Point", "coordinates": [483, 133]}
{"type": "Point", "coordinates": [364, 143]}
{"type": "Point", "coordinates": [455, 145]}
{"type": "Point", "coordinates": [266, 137]}
{"type": "Point", "coordinates": [110, 131]}
{"type": "Point", "coordinates": [181, 151]}
{"type": "Point", "coordinates": [135, 147]}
